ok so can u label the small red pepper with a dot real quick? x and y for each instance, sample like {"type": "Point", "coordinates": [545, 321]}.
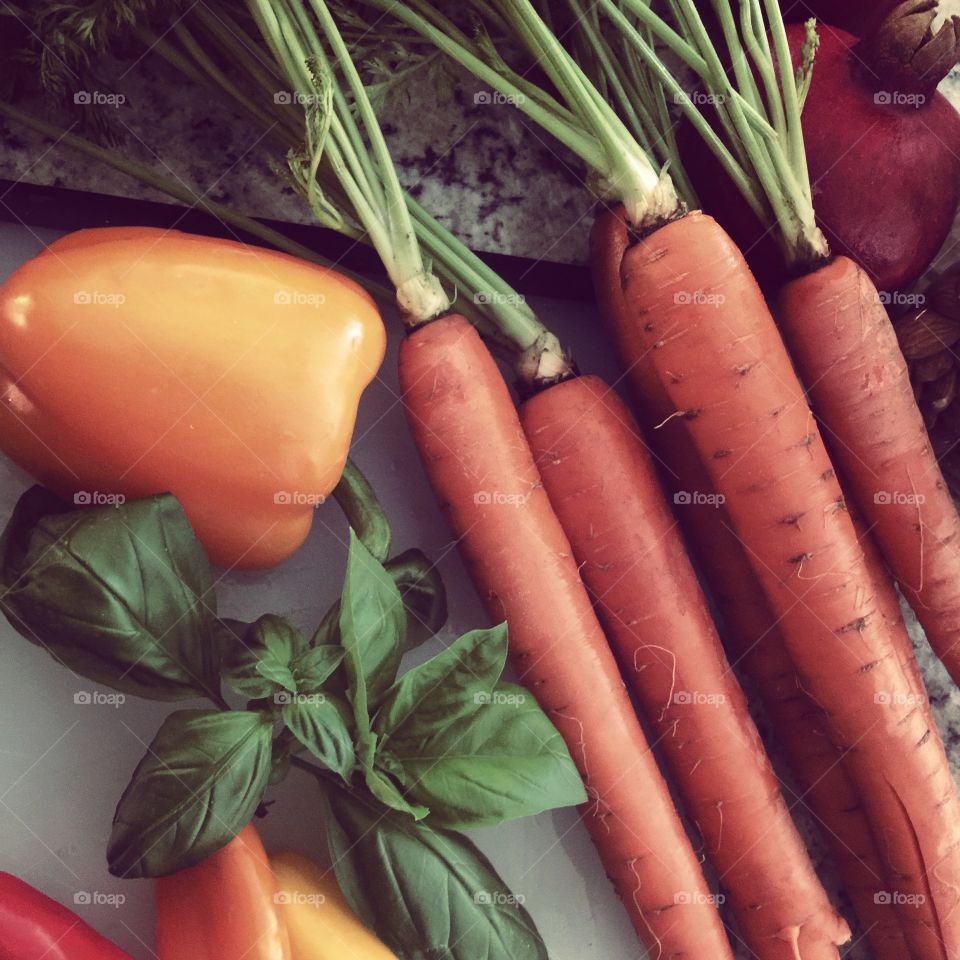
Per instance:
{"type": "Point", "coordinates": [34, 927]}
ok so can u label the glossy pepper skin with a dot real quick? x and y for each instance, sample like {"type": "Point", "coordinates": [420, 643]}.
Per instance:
{"type": "Point", "coordinates": [225, 908]}
{"type": "Point", "coordinates": [34, 927]}
{"type": "Point", "coordinates": [319, 920]}
{"type": "Point", "coordinates": [135, 361]}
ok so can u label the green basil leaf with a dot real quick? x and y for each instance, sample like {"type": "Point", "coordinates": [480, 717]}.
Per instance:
{"type": "Point", "coordinates": [504, 762]}
{"type": "Point", "coordinates": [372, 629]}
{"type": "Point", "coordinates": [475, 751]}
{"type": "Point", "coordinates": [380, 785]}
{"type": "Point", "coordinates": [196, 787]}
{"type": "Point", "coordinates": [256, 657]}
{"type": "Point", "coordinates": [312, 669]}
{"type": "Point", "coordinates": [320, 724]}
{"type": "Point", "coordinates": [277, 674]}
{"type": "Point", "coordinates": [428, 894]}
{"type": "Point", "coordinates": [446, 688]}
{"type": "Point", "coordinates": [424, 596]}
{"type": "Point", "coordinates": [120, 594]}
{"type": "Point", "coordinates": [422, 592]}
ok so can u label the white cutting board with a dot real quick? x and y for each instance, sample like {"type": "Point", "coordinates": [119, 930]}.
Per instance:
{"type": "Point", "coordinates": [64, 764]}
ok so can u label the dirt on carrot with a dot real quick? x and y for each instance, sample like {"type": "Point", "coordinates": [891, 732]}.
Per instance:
{"type": "Point", "coordinates": [836, 326]}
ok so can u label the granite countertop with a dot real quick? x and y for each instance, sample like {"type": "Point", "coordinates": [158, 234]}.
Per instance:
{"type": "Point", "coordinates": [463, 160]}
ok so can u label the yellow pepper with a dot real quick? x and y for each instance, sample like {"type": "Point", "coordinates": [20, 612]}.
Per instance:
{"type": "Point", "coordinates": [135, 360]}
{"type": "Point", "coordinates": [320, 923]}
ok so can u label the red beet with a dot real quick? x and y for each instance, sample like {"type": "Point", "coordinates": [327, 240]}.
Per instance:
{"type": "Point", "coordinates": [861, 17]}
{"type": "Point", "coordinates": [883, 149]}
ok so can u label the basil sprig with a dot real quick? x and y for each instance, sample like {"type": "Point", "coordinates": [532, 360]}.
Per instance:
{"type": "Point", "coordinates": [123, 595]}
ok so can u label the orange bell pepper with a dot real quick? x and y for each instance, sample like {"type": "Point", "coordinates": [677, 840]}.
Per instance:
{"type": "Point", "coordinates": [225, 908]}
{"type": "Point", "coordinates": [135, 361]}
{"type": "Point", "coordinates": [319, 920]}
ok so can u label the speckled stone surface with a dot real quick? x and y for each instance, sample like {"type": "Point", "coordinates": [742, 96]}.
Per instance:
{"type": "Point", "coordinates": [483, 169]}
{"type": "Point", "coordinates": [489, 174]}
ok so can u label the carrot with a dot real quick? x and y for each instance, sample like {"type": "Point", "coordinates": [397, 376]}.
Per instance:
{"type": "Point", "coordinates": [716, 356]}
{"type": "Point", "coordinates": [604, 489]}
{"type": "Point", "coordinates": [753, 639]}
{"type": "Point", "coordinates": [846, 351]}
{"type": "Point", "coordinates": [480, 467]}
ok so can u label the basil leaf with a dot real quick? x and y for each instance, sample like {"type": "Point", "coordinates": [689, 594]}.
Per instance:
{"type": "Point", "coordinates": [446, 688]}
{"type": "Point", "coordinates": [196, 787]}
{"type": "Point", "coordinates": [319, 723]}
{"type": "Point", "coordinates": [423, 594]}
{"type": "Point", "coordinates": [428, 894]}
{"type": "Point", "coordinates": [277, 675]}
{"type": "Point", "coordinates": [372, 629]}
{"type": "Point", "coordinates": [119, 594]}
{"type": "Point", "coordinates": [312, 669]}
{"type": "Point", "coordinates": [476, 752]}
{"type": "Point", "coordinates": [503, 762]}
{"type": "Point", "coordinates": [380, 785]}
{"type": "Point", "coordinates": [256, 657]}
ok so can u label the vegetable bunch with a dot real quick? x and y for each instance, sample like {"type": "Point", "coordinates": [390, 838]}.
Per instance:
{"type": "Point", "coordinates": [124, 595]}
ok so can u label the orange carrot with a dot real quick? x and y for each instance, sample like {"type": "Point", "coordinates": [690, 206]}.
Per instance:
{"type": "Point", "coordinates": [604, 489]}
{"type": "Point", "coordinates": [480, 467]}
{"type": "Point", "coordinates": [700, 330]}
{"type": "Point", "coordinates": [753, 638]}
{"type": "Point", "coordinates": [846, 351]}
